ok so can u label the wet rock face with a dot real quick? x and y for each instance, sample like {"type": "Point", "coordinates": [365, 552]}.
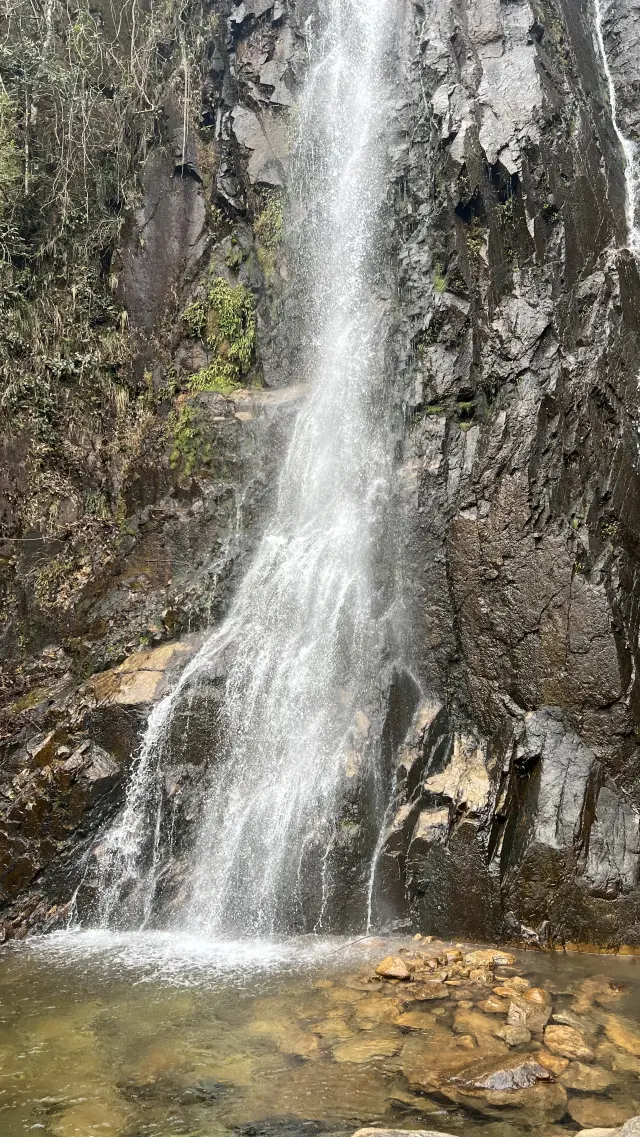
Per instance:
{"type": "Point", "coordinates": [517, 805]}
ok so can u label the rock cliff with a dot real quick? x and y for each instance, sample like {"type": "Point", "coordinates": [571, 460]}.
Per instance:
{"type": "Point", "coordinates": [515, 347]}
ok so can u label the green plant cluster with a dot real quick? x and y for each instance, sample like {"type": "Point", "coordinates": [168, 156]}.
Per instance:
{"type": "Point", "coordinates": [191, 443]}
{"type": "Point", "coordinates": [268, 229]}
{"type": "Point", "coordinates": [225, 321]}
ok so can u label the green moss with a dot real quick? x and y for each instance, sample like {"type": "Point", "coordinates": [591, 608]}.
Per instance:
{"type": "Point", "coordinates": [269, 224]}
{"type": "Point", "coordinates": [439, 279]}
{"type": "Point", "coordinates": [191, 447]}
{"type": "Point", "coordinates": [96, 504]}
{"type": "Point", "coordinates": [27, 701]}
{"type": "Point", "coordinates": [434, 409]}
{"type": "Point", "coordinates": [10, 159]}
{"type": "Point", "coordinates": [225, 321]}
{"type": "Point", "coordinates": [506, 210]}
{"type": "Point", "coordinates": [268, 229]}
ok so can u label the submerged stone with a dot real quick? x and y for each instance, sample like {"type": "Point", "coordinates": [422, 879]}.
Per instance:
{"type": "Point", "coordinates": [493, 1006]}
{"type": "Point", "coordinates": [416, 1020]}
{"type": "Point", "coordinates": [401, 1133]}
{"type": "Point", "coordinates": [513, 1035]}
{"type": "Point", "coordinates": [592, 1112]}
{"type": "Point", "coordinates": [553, 1062]}
{"type": "Point", "coordinates": [623, 1033]}
{"type": "Point", "coordinates": [568, 1043]}
{"type": "Point", "coordinates": [588, 1078]}
{"type": "Point", "coordinates": [364, 1047]}
{"type": "Point", "coordinates": [506, 1076]}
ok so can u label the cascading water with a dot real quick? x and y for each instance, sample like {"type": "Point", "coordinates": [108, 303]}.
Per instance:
{"type": "Point", "coordinates": [629, 148]}
{"type": "Point", "coordinates": [302, 649]}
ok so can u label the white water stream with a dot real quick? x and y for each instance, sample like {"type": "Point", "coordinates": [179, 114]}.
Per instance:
{"type": "Point", "coordinates": [629, 148]}
{"type": "Point", "coordinates": [302, 648]}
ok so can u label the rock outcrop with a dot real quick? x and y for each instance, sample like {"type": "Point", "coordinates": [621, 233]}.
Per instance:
{"type": "Point", "coordinates": [517, 811]}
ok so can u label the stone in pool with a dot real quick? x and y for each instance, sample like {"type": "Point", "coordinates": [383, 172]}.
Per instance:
{"type": "Point", "coordinates": [401, 1133]}
{"type": "Point", "coordinates": [586, 1078]}
{"type": "Point", "coordinates": [592, 1112]}
{"type": "Point", "coordinates": [363, 1048]}
{"type": "Point", "coordinates": [623, 1033]}
{"type": "Point", "coordinates": [568, 1043]}
{"type": "Point", "coordinates": [393, 967]}
{"type": "Point", "coordinates": [513, 1035]}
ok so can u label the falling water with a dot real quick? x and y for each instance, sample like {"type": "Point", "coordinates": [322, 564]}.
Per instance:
{"type": "Point", "coordinates": [297, 772]}
{"type": "Point", "coordinates": [627, 146]}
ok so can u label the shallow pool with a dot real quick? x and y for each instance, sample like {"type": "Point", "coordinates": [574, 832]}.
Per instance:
{"type": "Point", "coordinates": [155, 1034]}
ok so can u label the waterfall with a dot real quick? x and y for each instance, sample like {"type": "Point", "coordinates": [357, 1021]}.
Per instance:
{"type": "Point", "coordinates": [295, 783]}
{"type": "Point", "coordinates": [627, 146]}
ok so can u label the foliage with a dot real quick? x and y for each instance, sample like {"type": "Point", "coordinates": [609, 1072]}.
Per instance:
{"type": "Point", "coordinates": [268, 229]}
{"type": "Point", "coordinates": [191, 445]}
{"type": "Point", "coordinates": [269, 224]}
{"type": "Point", "coordinates": [81, 103]}
{"type": "Point", "coordinates": [225, 321]}
{"type": "Point", "coordinates": [439, 279]}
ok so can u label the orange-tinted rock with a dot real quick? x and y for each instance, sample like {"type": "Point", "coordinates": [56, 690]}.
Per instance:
{"type": "Point", "coordinates": [393, 967]}
{"type": "Point", "coordinates": [623, 1033]}
{"type": "Point", "coordinates": [552, 1062]}
{"type": "Point", "coordinates": [493, 1006]}
{"type": "Point", "coordinates": [568, 1043]}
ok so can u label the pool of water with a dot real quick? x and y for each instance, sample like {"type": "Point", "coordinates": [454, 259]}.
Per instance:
{"type": "Point", "coordinates": [126, 1035]}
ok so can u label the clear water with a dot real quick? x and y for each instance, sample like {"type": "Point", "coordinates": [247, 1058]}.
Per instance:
{"type": "Point", "coordinates": [127, 1035]}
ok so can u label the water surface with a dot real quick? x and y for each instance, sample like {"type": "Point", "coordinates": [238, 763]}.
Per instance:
{"type": "Point", "coordinates": [136, 1034]}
